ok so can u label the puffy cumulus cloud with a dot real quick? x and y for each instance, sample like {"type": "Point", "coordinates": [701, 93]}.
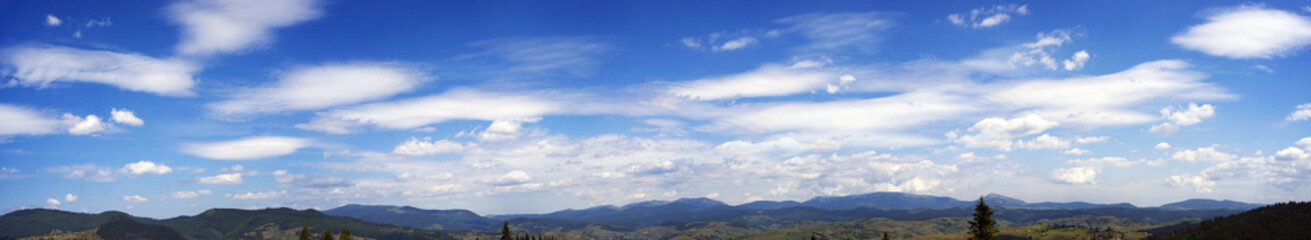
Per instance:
{"type": "Point", "coordinates": [189, 194]}
{"type": "Point", "coordinates": [18, 120]}
{"type": "Point", "coordinates": [135, 199]}
{"type": "Point", "coordinates": [226, 26]}
{"type": "Point", "coordinates": [52, 20]}
{"type": "Point", "coordinates": [501, 130]}
{"type": "Point", "coordinates": [125, 116]}
{"type": "Point", "coordinates": [458, 104]}
{"type": "Point", "coordinates": [969, 158]}
{"type": "Point", "coordinates": [1291, 153]}
{"type": "Point", "coordinates": [1077, 61]}
{"type": "Point", "coordinates": [1183, 117]}
{"type": "Point", "coordinates": [83, 126]}
{"type": "Point", "coordinates": [144, 167]}
{"type": "Point", "coordinates": [578, 56]}
{"type": "Point", "coordinates": [515, 177]}
{"type": "Point", "coordinates": [784, 146]}
{"type": "Point", "coordinates": [70, 198]}
{"type": "Point", "coordinates": [230, 178]}
{"type": "Point", "coordinates": [1206, 154]}
{"type": "Point", "coordinates": [987, 16]}
{"type": "Point", "coordinates": [1075, 175]}
{"type": "Point", "coordinates": [766, 81]}
{"type": "Point", "coordinates": [1304, 143]}
{"type": "Point", "coordinates": [246, 148]}
{"type": "Point", "coordinates": [303, 88]}
{"type": "Point", "coordinates": [1229, 33]}
{"type": "Point", "coordinates": [258, 195]}
{"type": "Point", "coordinates": [833, 31]}
{"type": "Point", "coordinates": [997, 133]}
{"type": "Point", "coordinates": [53, 203]}
{"type": "Point", "coordinates": [43, 66]}
{"type": "Point", "coordinates": [1068, 101]}
{"type": "Point", "coordinates": [1199, 184]}
{"type": "Point", "coordinates": [427, 146]}
{"type": "Point", "coordinates": [1162, 146]}
{"type": "Point", "coordinates": [1303, 112]}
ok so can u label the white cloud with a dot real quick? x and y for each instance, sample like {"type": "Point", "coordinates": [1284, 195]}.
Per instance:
{"type": "Point", "coordinates": [144, 167]}
{"type": "Point", "coordinates": [105, 22]}
{"type": "Point", "coordinates": [1040, 52]}
{"type": "Point", "coordinates": [768, 80]}
{"type": "Point", "coordinates": [577, 56]}
{"type": "Point", "coordinates": [310, 181]}
{"type": "Point", "coordinates": [89, 172]}
{"type": "Point", "coordinates": [691, 42]}
{"type": "Point", "coordinates": [426, 146]}
{"type": "Point", "coordinates": [246, 148]}
{"type": "Point", "coordinates": [18, 120]}
{"type": "Point", "coordinates": [43, 66]}
{"type": "Point", "coordinates": [1176, 118]}
{"type": "Point", "coordinates": [736, 44]}
{"type": "Point", "coordinates": [1263, 68]}
{"type": "Point", "coordinates": [1075, 175]}
{"type": "Point", "coordinates": [1087, 140]}
{"type": "Point", "coordinates": [83, 126]}
{"type": "Point", "coordinates": [458, 104]}
{"type": "Point", "coordinates": [1043, 142]}
{"type": "Point", "coordinates": [1230, 34]}
{"type": "Point", "coordinates": [1199, 184]}
{"type": "Point", "coordinates": [214, 26]}
{"type": "Point", "coordinates": [189, 194]}
{"type": "Point", "coordinates": [501, 130]}
{"type": "Point", "coordinates": [70, 198]}
{"type": "Point", "coordinates": [1068, 101]}
{"type": "Point", "coordinates": [1163, 145]}
{"type": "Point", "coordinates": [881, 118]}
{"type": "Point", "coordinates": [987, 16]}
{"type": "Point", "coordinates": [1077, 61]}
{"type": "Point", "coordinates": [1305, 143]}
{"type": "Point", "coordinates": [1303, 113]}
{"type": "Point", "coordinates": [1076, 151]}
{"type": "Point", "coordinates": [997, 133]}
{"type": "Point", "coordinates": [125, 116]}
{"type": "Point", "coordinates": [135, 199]}
{"type": "Point", "coordinates": [52, 202]}
{"type": "Point", "coordinates": [51, 20]}
{"type": "Point", "coordinates": [1207, 154]}
{"type": "Point", "coordinates": [1104, 162]}
{"type": "Point", "coordinates": [304, 88]}
{"type": "Point", "coordinates": [515, 177]}
{"type": "Point", "coordinates": [1291, 153]}
{"type": "Point", "coordinates": [230, 178]}
{"type": "Point", "coordinates": [840, 30]}
{"type": "Point", "coordinates": [258, 195]}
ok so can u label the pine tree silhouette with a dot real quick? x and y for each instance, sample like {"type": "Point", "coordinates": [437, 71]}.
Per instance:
{"type": "Point", "coordinates": [982, 227]}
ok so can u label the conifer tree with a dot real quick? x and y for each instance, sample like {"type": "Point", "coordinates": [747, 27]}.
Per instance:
{"type": "Point", "coordinates": [346, 234]}
{"type": "Point", "coordinates": [305, 233]}
{"type": "Point", "coordinates": [505, 231]}
{"type": "Point", "coordinates": [885, 235]}
{"type": "Point", "coordinates": [327, 235]}
{"type": "Point", "coordinates": [982, 227]}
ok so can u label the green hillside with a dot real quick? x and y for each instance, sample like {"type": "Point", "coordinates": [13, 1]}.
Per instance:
{"type": "Point", "coordinates": [215, 224]}
{"type": "Point", "coordinates": [1279, 221]}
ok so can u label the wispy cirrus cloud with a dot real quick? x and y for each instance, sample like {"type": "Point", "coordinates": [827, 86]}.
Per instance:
{"type": "Point", "coordinates": [832, 31]}
{"type": "Point", "coordinates": [304, 88]}
{"type": "Point", "coordinates": [246, 148]}
{"type": "Point", "coordinates": [44, 66]}
{"type": "Point", "coordinates": [988, 16]}
{"type": "Point", "coordinates": [577, 56]}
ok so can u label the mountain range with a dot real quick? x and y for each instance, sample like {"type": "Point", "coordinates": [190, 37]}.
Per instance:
{"type": "Point", "coordinates": [651, 213]}
{"type": "Point", "coordinates": [681, 218]}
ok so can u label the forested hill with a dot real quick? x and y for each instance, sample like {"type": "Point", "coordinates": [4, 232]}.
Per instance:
{"type": "Point", "coordinates": [273, 223]}
{"type": "Point", "coordinates": [1278, 221]}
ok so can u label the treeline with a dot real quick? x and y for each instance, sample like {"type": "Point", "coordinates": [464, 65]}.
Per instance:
{"type": "Point", "coordinates": [1287, 220]}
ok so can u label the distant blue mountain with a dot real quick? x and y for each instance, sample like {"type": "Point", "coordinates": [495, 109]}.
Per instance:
{"type": "Point", "coordinates": [1078, 205]}
{"type": "Point", "coordinates": [769, 205]}
{"type": "Point", "coordinates": [1196, 204]}
{"type": "Point", "coordinates": [448, 220]}
{"type": "Point", "coordinates": [885, 200]}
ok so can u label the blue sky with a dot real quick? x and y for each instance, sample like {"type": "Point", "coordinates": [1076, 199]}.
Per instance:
{"type": "Point", "coordinates": [169, 108]}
